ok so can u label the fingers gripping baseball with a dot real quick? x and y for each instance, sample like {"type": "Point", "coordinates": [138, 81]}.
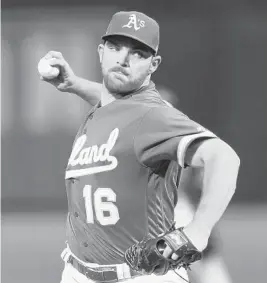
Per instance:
{"type": "Point", "coordinates": [64, 78]}
{"type": "Point", "coordinates": [54, 54]}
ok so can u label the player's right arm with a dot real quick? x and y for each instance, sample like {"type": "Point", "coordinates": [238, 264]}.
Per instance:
{"type": "Point", "coordinates": [67, 81]}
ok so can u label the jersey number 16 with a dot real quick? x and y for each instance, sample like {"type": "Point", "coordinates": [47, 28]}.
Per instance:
{"type": "Point", "coordinates": [106, 212]}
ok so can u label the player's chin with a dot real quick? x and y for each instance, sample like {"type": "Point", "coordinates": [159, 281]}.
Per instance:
{"type": "Point", "coordinates": [118, 87]}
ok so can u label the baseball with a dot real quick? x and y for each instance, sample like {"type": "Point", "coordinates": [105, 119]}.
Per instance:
{"type": "Point", "coordinates": [46, 70]}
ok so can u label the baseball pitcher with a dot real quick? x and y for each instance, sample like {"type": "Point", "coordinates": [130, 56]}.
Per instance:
{"type": "Point", "coordinates": [122, 175]}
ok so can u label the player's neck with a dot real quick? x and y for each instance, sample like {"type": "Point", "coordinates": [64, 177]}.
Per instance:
{"type": "Point", "coordinates": [107, 97]}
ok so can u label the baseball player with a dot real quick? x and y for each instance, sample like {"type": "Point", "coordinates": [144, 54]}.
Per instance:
{"type": "Point", "coordinates": [123, 172]}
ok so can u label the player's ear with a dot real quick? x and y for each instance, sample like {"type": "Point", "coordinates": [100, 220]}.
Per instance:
{"type": "Point", "coordinates": [155, 62]}
{"type": "Point", "coordinates": [100, 51]}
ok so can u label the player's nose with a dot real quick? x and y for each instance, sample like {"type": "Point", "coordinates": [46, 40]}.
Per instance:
{"type": "Point", "coordinates": [123, 57]}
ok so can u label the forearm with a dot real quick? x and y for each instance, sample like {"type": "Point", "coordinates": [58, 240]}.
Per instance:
{"type": "Point", "coordinates": [87, 90]}
{"type": "Point", "coordinates": [219, 183]}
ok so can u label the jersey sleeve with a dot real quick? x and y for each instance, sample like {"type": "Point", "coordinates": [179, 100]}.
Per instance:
{"type": "Point", "coordinates": [165, 133]}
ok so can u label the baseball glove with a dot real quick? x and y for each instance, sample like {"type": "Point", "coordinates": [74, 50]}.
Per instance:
{"type": "Point", "coordinates": [146, 256]}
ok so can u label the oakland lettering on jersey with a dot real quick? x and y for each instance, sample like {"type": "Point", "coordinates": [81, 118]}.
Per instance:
{"type": "Point", "coordinates": [93, 154]}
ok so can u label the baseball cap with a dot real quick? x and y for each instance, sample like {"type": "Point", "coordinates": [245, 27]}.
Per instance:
{"type": "Point", "coordinates": [135, 25]}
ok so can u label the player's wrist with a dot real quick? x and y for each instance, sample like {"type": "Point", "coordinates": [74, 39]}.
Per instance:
{"type": "Point", "coordinates": [198, 233]}
{"type": "Point", "coordinates": [74, 85]}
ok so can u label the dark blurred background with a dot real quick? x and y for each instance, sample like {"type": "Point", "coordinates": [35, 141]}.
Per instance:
{"type": "Point", "coordinates": [214, 60]}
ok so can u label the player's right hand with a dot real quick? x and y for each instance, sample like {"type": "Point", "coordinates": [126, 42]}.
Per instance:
{"type": "Point", "coordinates": [66, 79]}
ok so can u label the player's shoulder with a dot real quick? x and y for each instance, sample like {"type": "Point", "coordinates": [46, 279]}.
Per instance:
{"type": "Point", "coordinates": [162, 110]}
{"type": "Point", "coordinates": [150, 100]}
{"type": "Point", "coordinates": [163, 115]}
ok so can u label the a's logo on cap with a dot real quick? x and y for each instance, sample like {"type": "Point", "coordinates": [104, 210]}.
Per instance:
{"type": "Point", "coordinates": [134, 22]}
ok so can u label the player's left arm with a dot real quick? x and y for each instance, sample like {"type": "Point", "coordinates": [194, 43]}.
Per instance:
{"type": "Point", "coordinates": [220, 165]}
{"type": "Point", "coordinates": [167, 134]}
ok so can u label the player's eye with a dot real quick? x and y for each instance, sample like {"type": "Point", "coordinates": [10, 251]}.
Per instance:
{"type": "Point", "coordinates": [141, 54]}
{"type": "Point", "coordinates": [113, 46]}
{"type": "Point", "coordinates": [138, 53]}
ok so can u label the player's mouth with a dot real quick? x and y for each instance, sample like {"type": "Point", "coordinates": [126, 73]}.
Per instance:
{"type": "Point", "coordinates": [119, 74]}
{"type": "Point", "coordinates": [120, 71]}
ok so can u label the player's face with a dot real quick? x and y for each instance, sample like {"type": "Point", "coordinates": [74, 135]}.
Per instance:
{"type": "Point", "coordinates": [126, 64]}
